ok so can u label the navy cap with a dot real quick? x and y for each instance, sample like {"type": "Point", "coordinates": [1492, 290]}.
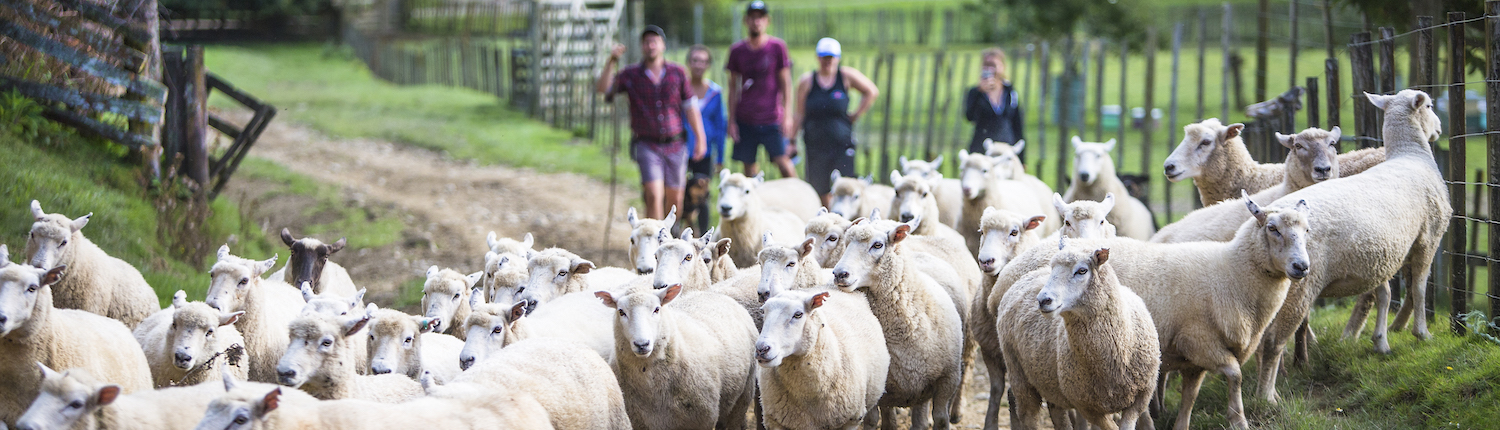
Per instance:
{"type": "Point", "coordinates": [756, 6]}
{"type": "Point", "coordinates": [653, 29]}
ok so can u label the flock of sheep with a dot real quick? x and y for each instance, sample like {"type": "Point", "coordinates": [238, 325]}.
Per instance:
{"type": "Point", "coordinates": [816, 318]}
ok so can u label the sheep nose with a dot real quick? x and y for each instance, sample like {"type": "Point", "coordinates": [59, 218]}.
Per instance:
{"type": "Point", "coordinates": [1084, 176]}
{"type": "Point", "coordinates": [3, 319]}
{"type": "Point", "coordinates": [641, 345]}
{"type": "Point", "coordinates": [761, 351]}
{"type": "Point", "coordinates": [183, 357]}
{"type": "Point", "coordinates": [287, 376]}
{"type": "Point", "coordinates": [465, 362]}
{"type": "Point", "coordinates": [1322, 171]}
{"type": "Point", "coordinates": [841, 276]}
{"type": "Point", "coordinates": [530, 306]}
{"type": "Point", "coordinates": [906, 217]}
{"type": "Point", "coordinates": [644, 270]}
{"type": "Point", "coordinates": [1171, 169]}
{"type": "Point", "coordinates": [1044, 302]}
{"type": "Point", "coordinates": [987, 263]}
{"type": "Point", "coordinates": [380, 370]}
{"type": "Point", "coordinates": [724, 210]}
{"type": "Point", "coordinates": [763, 295]}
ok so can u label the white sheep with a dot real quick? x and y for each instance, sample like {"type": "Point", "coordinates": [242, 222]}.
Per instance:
{"type": "Point", "coordinates": [575, 317]}
{"type": "Point", "coordinates": [678, 262]}
{"type": "Point", "coordinates": [823, 361]}
{"type": "Point", "coordinates": [270, 305]}
{"type": "Point", "coordinates": [505, 266]}
{"type": "Point", "coordinates": [1210, 300]}
{"type": "Point", "coordinates": [684, 359]}
{"type": "Point", "coordinates": [75, 399]}
{"type": "Point", "coordinates": [308, 262]}
{"type": "Point", "coordinates": [826, 230]}
{"type": "Point", "coordinates": [32, 331]}
{"type": "Point", "coordinates": [983, 188]}
{"type": "Point", "coordinates": [853, 197]}
{"type": "Point", "coordinates": [1313, 158]}
{"type": "Point", "coordinates": [321, 360]}
{"type": "Point", "coordinates": [1214, 156]}
{"type": "Point", "coordinates": [914, 199]}
{"type": "Point", "coordinates": [643, 238]}
{"type": "Point", "coordinates": [445, 298]}
{"type": "Point", "coordinates": [1094, 177]}
{"type": "Point", "coordinates": [1371, 235]}
{"type": "Point", "coordinates": [577, 389]}
{"type": "Point", "coordinates": [406, 345]}
{"type": "Point", "coordinates": [502, 245]}
{"type": "Point", "coordinates": [716, 256]}
{"type": "Point", "coordinates": [793, 195]}
{"type": "Point", "coordinates": [249, 405]}
{"type": "Point", "coordinates": [744, 215]}
{"type": "Point", "coordinates": [1008, 166]}
{"type": "Point", "coordinates": [183, 342]}
{"type": "Point", "coordinates": [922, 328]}
{"type": "Point", "coordinates": [96, 282]}
{"type": "Point", "coordinates": [1076, 338]}
{"type": "Point", "coordinates": [556, 271]}
{"type": "Point", "coordinates": [784, 268]}
{"type": "Point", "coordinates": [949, 192]}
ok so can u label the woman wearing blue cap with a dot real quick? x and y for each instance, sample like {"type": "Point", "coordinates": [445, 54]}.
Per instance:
{"type": "Point", "coordinates": [823, 112]}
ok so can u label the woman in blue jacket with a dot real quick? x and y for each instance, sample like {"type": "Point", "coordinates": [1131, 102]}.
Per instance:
{"type": "Point", "coordinates": [993, 105]}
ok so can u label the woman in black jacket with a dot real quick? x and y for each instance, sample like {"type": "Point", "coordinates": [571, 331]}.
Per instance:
{"type": "Point", "coordinates": [993, 105]}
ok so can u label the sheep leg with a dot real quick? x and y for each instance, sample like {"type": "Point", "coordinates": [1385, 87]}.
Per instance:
{"type": "Point", "coordinates": [995, 367]}
{"type": "Point", "coordinates": [887, 418]}
{"type": "Point", "coordinates": [925, 414]}
{"type": "Point", "coordinates": [1233, 378]}
{"type": "Point", "coordinates": [1382, 314]}
{"type": "Point", "coordinates": [1421, 267]}
{"type": "Point", "coordinates": [736, 417]}
{"type": "Point", "coordinates": [1191, 381]}
{"type": "Point", "coordinates": [1358, 315]}
{"type": "Point", "coordinates": [1299, 356]}
{"type": "Point", "coordinates": [1061, 419]}
{"type": "Point", "coordinates": [956, 406]}
{"type": "Point", "coordinates": [871, 421]}
{"type": "Point", "coordinates": [1399, 323]}
{"type": "Point", "coordinates": [1283, 326]}
{"type": "Point", "coordinates": [1101, 421]}
{"type": "Point", "coordinates": [1079, 422]}
{"type": "Point", "coordinates": [1159, 395]}
{"type": "Point", "coordinates": [1136, 417]}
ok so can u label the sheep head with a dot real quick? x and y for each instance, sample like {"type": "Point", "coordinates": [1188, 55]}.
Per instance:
{"type": "Point", "coordinates": [1201, 142]}
{"type": "Point", "coordinates": [1091, 159]}
{"type": "Point", "coordinates": [870, 243]}
{"type": "Point", "coordinates": [1314, 155]}
{"type": "Point", "coordinates": [974, 173]}
{"type": "Point", "coordinates": [913, 197]}
{"type": "Point", "coordinates": [1284, 231]}
{"type": "Point", "coordinates": [553, 272]}
{"type": "Point", "coordinates": [675, 261]}
{"type": "Point", "coordinates": [737, 194]}
{"type": "Point", "coordinates": [640, 317]}
{"type": "Point", "coordinates": [825, 230]}
{"type": "Point", "coordinates": [445, 293]}
{"type": "Point", "coordinates": [645, 237]}
{"type": "Point", "coordinates": [307, 258]}
{"type": "Point", "coordinates": [1002, 235]}
{"type": "Point", "coordinates": [788, 329]}
{"type": "Point", "coordinates": [1085, 219]}
{"type": "Point", "coordinates": [779, 265]}
{"type": "Point", "coordinates": [65, 398]}
{"type": "Point", "coordinates": [923, 168]}
{"type": "Point", "coordinates": [319, 343]}
{"type": "Point", "coordinates": [232, 277]}
{"type": "Point", "coordinates": [1006, 156]}
{"type": "Point", "coordinates": [241, 406]}
{"type": "Point", "coordinates": [192, 332]}
{"type": "Point", "coordinates": [24, 289]}
{"type": "Point", "coordinates": [395, 341]}
{"type": "Point", "coordinates": [50, 236]}
{"type": "Point", "coordinates": [1410, 106]}
{"type": "Point", "coordinates": [1075, 269]}
{"type": "Point", "coordinates": [504, 275]}
{"type": "Point", "coordinates": [489, 328]}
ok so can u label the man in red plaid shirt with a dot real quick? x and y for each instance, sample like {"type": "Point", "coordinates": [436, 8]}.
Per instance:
{"type": "Point", "coordinates": [660, 98]}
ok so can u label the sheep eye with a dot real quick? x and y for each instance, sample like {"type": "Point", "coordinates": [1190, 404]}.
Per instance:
{"type": "Point", "coordinates": [498, 330]}
{"type": "Point", "coordinates": [1204, 144]}
{"type": "Point", "coordinates": [791, 264]}
{"type": "Point", "coordinates": [520, 289]}
{"type": "Point", "coordinates": [241, 420]}
{"type": "Point", "coordinates": [833, 238]}
{"type": "Point", "coordinates": [1015, 233]}
{"type": "Point", "coordinates": [562, 273]}
{"type": "Point", "coordinates": [797, 315]}
{"type": "Point", "coordinates": [747, 191]}
{"type": "Point", "coordinates": [657, 310]}
{"type": "Point", "coordinates": [209, 333]}
{"type": "Point", "coordinates": [75, 404]}
{"type": "Point", "coordinates": [31, 289]}
{"type": "Point", "coordinates": [327, 342]}
{"type": "Point", "coordinates": [689, 257]}
{"type": "Point", "coordinates": [244, 281]}
{"type": "Point", "coordinates": [455, 296]}
{"type": "Point", "coordinates": [1081, 272]}
{"type": "Point", "coordinates": [1273, 229]}
{"type": "Point", "coordinates": [622, 313]}
{"type": "Point", "coordinates": [632, 241]}
{"type": "Point", "coordinates": [878, 245]}
{"type": "Point", "coordinates": [408, 339]}
{"type": "Point", "coordinates": [924, 194]}
{"type": "Point", "coordinates": [372, 338]}
{"type": "Point", "coordinates": [64, 243]}
{"type": "Point", "coordinates": [1067, 223]}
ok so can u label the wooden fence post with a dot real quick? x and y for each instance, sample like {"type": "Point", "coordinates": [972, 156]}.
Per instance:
{"type": "Point", "coordinates": [1124, 107]}
{"type": "Point", "coordinates": [1387, 75]}
{"type": "Point", "coordinates": [1457, 261]}
{"type": "Point", "coordinates": [937, 69]}
{"type": "Point", "coordinates": [1064, 103]}
{"type": "Point", "coordinates": [1292, 65]}
{"type": "Point", "coordinates": [885, 121]}
{"type": "Point", "coordinates": [1099, 91]}
{"type": "Point", "coordinates": [1331, 73]}
{"type": "Point", "coordinates": [1044, 66]}
{"type": "Point", "coordinates": [1262, 39]}
{"type": "Point", "coordinates": [1172, 116]}
{"type": "Point", "coordinates": [195, 162]}
{"type": "Point", "coordinates": [1360, 64]}
{"type": "Point", "coordinates": [1312, 102]}
{"type": "Point", "coordinates": [1202, 49]}
{"type": "Point", "coordinates": [1147, 141]}
{"type": "Point", "coordinates": [1224, 35]}
{"type": "Point", "coordinates": [1492, 140]}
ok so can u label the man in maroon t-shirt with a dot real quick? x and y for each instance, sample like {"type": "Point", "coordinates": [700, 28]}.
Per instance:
{"type": "Point", "coordinates": [760, 75]}
{"type": "Point", "coordinates": [659, 96]}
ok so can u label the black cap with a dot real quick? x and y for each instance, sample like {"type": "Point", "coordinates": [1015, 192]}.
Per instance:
{"type": "Point", "coordinates": [756, 6]}
{"type": "Point", "coordinates": [653, 29]}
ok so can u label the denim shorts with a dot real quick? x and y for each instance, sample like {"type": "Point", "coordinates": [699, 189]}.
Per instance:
{"type": "Point", "coordinates": [755, 136]}
{"type": "Point", "coordinates": [662, 162]}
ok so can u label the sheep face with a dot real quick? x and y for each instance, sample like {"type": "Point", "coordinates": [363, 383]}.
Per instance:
{"type": "Point", "coordinates": [825, 230]}
{"type": "Point", "coordinates": [487, 329]}
{"type": "Point", "coordinates": [504, 276]}
{"type": "Point", "coordinates": [922, 168]}
{"type": "Point", "coordinates": [645, 237]}
{"type": "Point", "coordinates": [1201, 142]}
{"type": "Point", "coordinates": [869, 244]}
{"type": "Point", "coordinates": [913, 196]}
{"type": "Point", "coordinates": [1002, 231]}
{"type": "Point", "coordinates": [50, 236]}
{"type": "Point", "coordinates": [21, 287]}
{"type": "Point", "coordinates": [308, 258]}
{"type": "Point", "coordinates": [503, 245]}
{"type": "Point", "coordinates": [1073, 272]}
{"type": "Point", "coordinates": [974, 173]}
{"type": "Point", "coordinates": [192, 332]}
{"type": "Point", "coordinates": [393, 346]}
{"type": "Point", "coordinates": [1285, 233]}
{"type": "Point", "coordinates": [319, 343]}
{"type": "Point", "coordinates": [1007, 158]}
{"type": "Point", "coordinates": [64, 398]}
{"type": "Point", "coordinates": [778, 266]}
{"type": "Point", "coordinates": [1091, 159]}
{"type": "Point", "coordinates": [674, 259]}
{"type": "Point", "coordinates": [1085, 219]}
{"type": "Point", "coordinates": [444, 293]}
{"type": "Point", "coordinates": [551, 271]}
{"type": "Point", "coordinates": [845, 199]}
{"type": "Point", "coordinates": [786, 331]}
{"type": "Point", "coordinates": [1412, 104]}
{"type": "Point", "coordinates": [639, 321]}
{"type": "Point", "coordinates": [330, 305]}
{"type": "Point", "coordinates": [1315, 152]}
{"type": "Point", "coordinates": [232, 278]}
{"type": "Point", "coordinates": [239, 408]}
{"type": "Point", "coordinates": [737, 194]}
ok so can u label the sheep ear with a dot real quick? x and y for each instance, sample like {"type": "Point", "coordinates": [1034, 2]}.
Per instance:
{"type": "Point", "coordinates": [1260, 215]}
{"type": "Point", "coordinates": [355, 324]}
{"type": "Point", "coordinates": [669, 293]}
{"type": "Point", "coordinates": [989, 145]}
{"type": "Point", "coordinates": [687, 234]}
{"type": "Point", "coordinates": [867, 179]}
{"type": "Point", "coordinates": [179, 299]}
{"type": "Point", "coordinates": [4, 255]}
{"type": "Point", "coordinates": [268, 403]}
{"type": "Point", "coordinates": [988, 210]}
{"type": "Point", "coordinates": [517, 311]}
{"type": "Point", "coordinates": [307, 292]}
{"type": "Point", "coordinates": [1101, 255]}
{"type": "Point", "coordinates": [54, 275]}
{"type": "Point", "coordinates": [473, 279]}
{"type": "Point", "coordinates": [79, 222]}
{"type": "Point", "coordinates": [1108, 203]}
{"type": "Point", "coordinates": [856, 221]}
{"type": "Point", "coordinates": [937, 163]}
{"type": "Point", "coordinates": [528, 240]}
{"type": "Point", "coordinates": [582, 266]}
{"type": "Point", "coordinates": [1303, 208]}
{"type": "Point", "coordinates": [1034, 222]}
{"type": "Point", "coordinates": [229, 383]}
{"type": "Point", "coordinates": [1018, 146]}
{"type": "Point", "coordinates": [286, 237]}
{"type": "Point", "coordinates": [875, 215]}
{"type": "Point", "coordinates": [230, 318]}
{"type": "Point", "coordinates": [1077, 142]}
{"type": "Point", "coordinates": [106, 395]}
{"type": "Point", "coordinates": [821, 211]}
{"type": "Point", "coordinates": [631, 217]}
{"type": "Point", "coordinates": [359, 297]}
{"type": "Point", "coordinates": [36, 210]}
{"type": "Point", "coordinates": [490, 239]}
{"type": "Point", "coordinates": [962, 154]}
{"type": "Point", "coordinates": [1378, 100]}
{"type": "Point", "coordinates": [608, 299]}
{"type": "Point", "coordinates": [1337, 134]}
{"type": "Point", "coordinates": [915, 223]}
{"type": "Point", "coordinates": [1286, 140]}
{"type": "Point", "coordinates": [338, 245]}
{"type": "Point", "coordinates": [767, 240]}
{"type": "Point", "coordinates": [1233, 131]}
{"type": "Point", "coordinates": [476, 298]}
{"type": "Point", "coordinates": [723, 174]}
{"type": "Point", "coordinates": [223, 251]}
{"type": "Point", "coordinates": [902, 162]}
{"type": "Point", "coordinates": [760, 177]}
{"type": "Point", "coordinates": [835, 176]}
{"type": "Point", "coordinates": [663, 234]}
{"type": "Point", "coordinates": [671, 218]}
{"type": "Point", "coordinates": [900, 233]}
{"type": "Point", "coordinates": [267, 264]}
{"type": "Point", "coordinates": [1057, 202]}
{"type": "Point", "coordinates": [1420, 99]}
{"type": "Point", "coordinates": [47, 372]}
{"type": "Point", "coordinates": [816, 301]}
{"type": "Point", "coordinates": [895, 176]}
{"type": "Point", "coordinates": [432, 271]}
{"type": "Point", "coordinates": [722, 247]}
{"type": "Point", "coordinates": [806, 248]}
